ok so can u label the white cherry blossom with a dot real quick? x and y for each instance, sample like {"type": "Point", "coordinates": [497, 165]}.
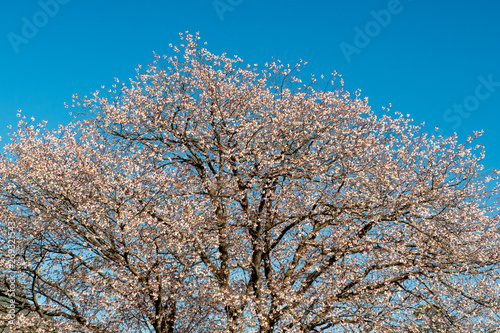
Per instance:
{"type": "Point", "coordinates": [209, 196]}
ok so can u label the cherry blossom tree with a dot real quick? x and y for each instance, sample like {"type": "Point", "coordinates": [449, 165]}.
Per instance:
{"type": "Point", "coordinates": [209, 196]}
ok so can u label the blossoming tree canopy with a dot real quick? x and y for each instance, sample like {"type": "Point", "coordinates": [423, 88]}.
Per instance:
{"type": "Point", "coordinates": [210, 196]}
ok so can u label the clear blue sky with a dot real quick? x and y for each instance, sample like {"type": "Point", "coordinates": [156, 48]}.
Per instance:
{"type": "Point", "coordinates": [439, 61]}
